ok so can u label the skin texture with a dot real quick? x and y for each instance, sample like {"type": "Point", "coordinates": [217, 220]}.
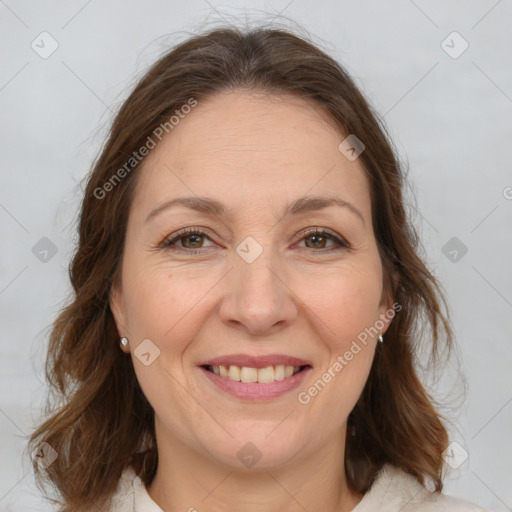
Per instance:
{"type": "Point", "coordinates": [303, 297]}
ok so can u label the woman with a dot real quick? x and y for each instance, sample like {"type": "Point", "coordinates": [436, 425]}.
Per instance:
{"type": "Point", "coordinates": [247, 300]}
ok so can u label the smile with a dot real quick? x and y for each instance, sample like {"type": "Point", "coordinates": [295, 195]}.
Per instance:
{"type": "Point", "coordinates": [252, 384]}
{"type": "Point", "coordinates": [252, 375]}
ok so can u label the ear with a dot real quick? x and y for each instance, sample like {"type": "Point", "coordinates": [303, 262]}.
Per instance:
{"type": "Point", "coordinates": [387, 307]}
{"type": "Point", "coordinates": [118, 308]}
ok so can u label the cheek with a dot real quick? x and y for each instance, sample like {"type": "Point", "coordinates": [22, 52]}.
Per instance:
{"type": "Point", "coordinates": [345, 305]}
{"type": "Point", "coordinates": [161, 302]}
{"type": "Point", "coordinates": [344, 311]}
{"type": "Point", "coordinates": [345, 302]}
{"type": "Point", "coordinates": [160, 307]}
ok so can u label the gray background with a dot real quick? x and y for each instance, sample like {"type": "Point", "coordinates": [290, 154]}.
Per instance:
{"type": "Point", "coordinates": [449, 117]}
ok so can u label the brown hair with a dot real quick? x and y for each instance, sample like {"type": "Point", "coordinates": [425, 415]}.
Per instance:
{"type": "Point", "coordinates": [100, 421]}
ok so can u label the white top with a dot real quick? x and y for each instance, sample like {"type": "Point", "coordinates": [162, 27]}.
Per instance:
{"type": "Point", "coordinates": [392, 491]}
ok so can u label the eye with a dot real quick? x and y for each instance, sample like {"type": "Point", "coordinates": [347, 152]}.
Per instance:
{"type": "Point", "coordinates": [318, 239]}
{"type": "Point", "coordinates": [192, 241]}
{"type": "Point", "coordinates": [187, 240]}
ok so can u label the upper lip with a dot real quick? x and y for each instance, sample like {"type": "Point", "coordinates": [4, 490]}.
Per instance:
{"type": "Point", "coordinates": [255, 361]}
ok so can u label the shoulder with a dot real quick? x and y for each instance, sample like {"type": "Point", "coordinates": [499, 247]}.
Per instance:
{"type": "Point", "coordinates": [394, 490]}
{"type": "Point", "coordinates": [131, 495]}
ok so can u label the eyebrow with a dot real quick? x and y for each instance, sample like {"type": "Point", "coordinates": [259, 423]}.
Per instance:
{"type": "Point", "coordinates": [302, 205]}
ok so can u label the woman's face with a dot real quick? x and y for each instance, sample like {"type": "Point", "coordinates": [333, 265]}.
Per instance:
{"type": "Point", "coordinates": [253, 289]}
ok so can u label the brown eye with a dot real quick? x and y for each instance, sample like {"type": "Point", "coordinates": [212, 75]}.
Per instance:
{"type": "Point", "coordinates": [192, 241]}
{"type": "Point", "coordinates": [318, 239]}
{"type": "Point", "coordinates": [188, 240]}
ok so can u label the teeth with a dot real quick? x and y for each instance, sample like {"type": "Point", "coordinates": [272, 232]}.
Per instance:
{"type": "Point", "coordinates": [266, 374]}
{"type": "Point", "coordinates": [279, 372]}
{"type": "Point", "coordinates": [234, 373]}
{"type": "Point", "coordinates": [247, 374]}
{"type": "Point", "coordinates": [261, 375]}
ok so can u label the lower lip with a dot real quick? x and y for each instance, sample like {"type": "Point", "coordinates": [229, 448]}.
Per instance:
{"type": "Point", "coordinates": [255, 391]}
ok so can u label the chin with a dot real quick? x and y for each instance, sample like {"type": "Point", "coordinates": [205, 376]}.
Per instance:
{"type": "Point", "coordinates": [253, 448]}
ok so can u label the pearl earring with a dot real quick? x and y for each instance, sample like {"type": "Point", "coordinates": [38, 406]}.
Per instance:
{"type": "Point", "coordinates": [381, 339]}
{"type": "Point", "coordinates": [124, 341]}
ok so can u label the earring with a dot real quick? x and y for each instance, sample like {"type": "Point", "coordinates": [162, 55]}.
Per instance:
{"type": "Point", "coordinates": [381, 339]}
{"type": "Point", "coordinates": [124, 341]}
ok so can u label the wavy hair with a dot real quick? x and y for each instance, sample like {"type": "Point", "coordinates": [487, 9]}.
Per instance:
{"type": "Point", "coordinates": [98, 419]}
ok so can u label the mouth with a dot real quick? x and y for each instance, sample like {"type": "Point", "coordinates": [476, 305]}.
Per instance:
{"type": "Point", "coordinates": [247, 374]}
{"type": "Point", "coordinates": [253, 378]}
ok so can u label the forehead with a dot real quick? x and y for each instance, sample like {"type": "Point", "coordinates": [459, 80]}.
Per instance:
{"type": "Point", "coordinates": [251, 148]}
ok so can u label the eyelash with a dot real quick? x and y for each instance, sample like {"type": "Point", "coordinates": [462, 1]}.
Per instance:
{"type": "Point", "coordinates": [169, 243]}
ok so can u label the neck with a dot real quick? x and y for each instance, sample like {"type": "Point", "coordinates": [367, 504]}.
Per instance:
{"type": "Point", "coordinates": [191, 481]}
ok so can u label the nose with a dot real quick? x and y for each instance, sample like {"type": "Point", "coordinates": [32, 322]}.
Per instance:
{"type": "Point", "coordinates": [258, 299]}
